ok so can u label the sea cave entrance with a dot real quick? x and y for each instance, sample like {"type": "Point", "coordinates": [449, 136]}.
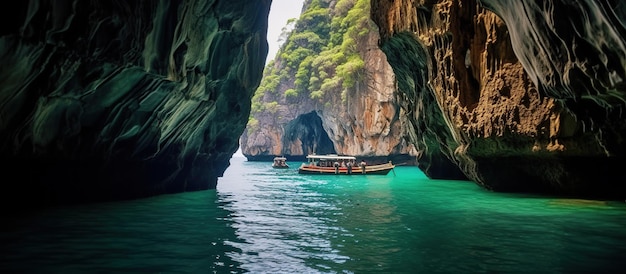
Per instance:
{"type": "Point", "coordinates": [307, 131]}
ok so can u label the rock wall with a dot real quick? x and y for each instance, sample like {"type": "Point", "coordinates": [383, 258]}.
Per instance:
{"type": "Point", "coordinates": [520, 95]}
{"type": "Point", "coordinates": [364, 120]}
{"type": "Point", "coordinates": [103, 100]}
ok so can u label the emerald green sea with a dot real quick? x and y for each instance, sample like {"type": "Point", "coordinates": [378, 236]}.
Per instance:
{"type": "Point", "coordinates": [264, 220]}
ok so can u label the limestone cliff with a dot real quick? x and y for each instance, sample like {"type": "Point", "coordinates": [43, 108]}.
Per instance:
{"type": "Point", "coordinates": [521, 95]}
{"type": "Point", "coordinates": [103, 100]}
{"type": "Point", "coordinates": [344, 104]}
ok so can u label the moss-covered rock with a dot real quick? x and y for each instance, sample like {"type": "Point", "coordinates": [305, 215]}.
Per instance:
{"type": "Point", "coordinates": [103, 100]}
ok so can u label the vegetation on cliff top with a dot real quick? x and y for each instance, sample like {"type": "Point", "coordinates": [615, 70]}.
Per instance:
{"type": "Point", "coordinates": [320, 55]}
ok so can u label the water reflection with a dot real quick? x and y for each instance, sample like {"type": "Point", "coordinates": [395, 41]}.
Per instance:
{"type": "Point", "coordinates": [279, 223]}
{"type": "Point", "coordinates": [172, 233]}
{"type": "Point", "coordinates": [291, 223]}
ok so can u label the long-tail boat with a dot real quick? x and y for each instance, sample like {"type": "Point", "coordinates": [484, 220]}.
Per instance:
{"type": "Point", "coordinates": [341, 165]}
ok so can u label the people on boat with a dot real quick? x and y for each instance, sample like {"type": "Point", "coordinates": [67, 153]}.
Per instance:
{"type": "Point", "coordinates": [363, 164]}
{"type": "Point", "coordinates": [280, 163]}
{"type": "Point", "coordinates": [338, 164]}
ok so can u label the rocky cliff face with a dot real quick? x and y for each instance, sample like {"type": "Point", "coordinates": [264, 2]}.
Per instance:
{"type": "Point", "coordinates": [104, 100]}
{"type": "Point", "coordinates": [362, 120]}
{"type": "Point", "coordinates": [520, 95]}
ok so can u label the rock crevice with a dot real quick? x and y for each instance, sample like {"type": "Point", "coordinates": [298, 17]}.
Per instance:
{"type": "Point", "coordinates": [105, 100]}
{"type": "Point", "coordinates": [520, 96]}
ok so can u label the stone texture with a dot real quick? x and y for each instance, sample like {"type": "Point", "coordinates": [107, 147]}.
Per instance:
{"type": "Point", "coordinates": [367, 123]}
{"type": "Point", "coordinates": [520, 95]}
{"type": "Point", "coordinates": [103, 100]}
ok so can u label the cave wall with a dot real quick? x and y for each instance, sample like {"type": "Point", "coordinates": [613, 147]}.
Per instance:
{"type": "Point", "coordinates": [103, 100]}
{"type": "Point", "coordinates": [519, 95]}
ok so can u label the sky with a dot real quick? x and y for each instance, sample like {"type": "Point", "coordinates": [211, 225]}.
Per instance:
{"type": "Point", "coordinates": [280, 12]}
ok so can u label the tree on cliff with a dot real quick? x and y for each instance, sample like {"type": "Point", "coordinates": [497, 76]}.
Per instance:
{"type": "Point", "coordinates": [321, 53]}
{"type": "Point", "coordinates": [321, 69]}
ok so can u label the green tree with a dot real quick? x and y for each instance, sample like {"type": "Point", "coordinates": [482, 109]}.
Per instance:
{"type": "Point", "coordinates": [321, 52]}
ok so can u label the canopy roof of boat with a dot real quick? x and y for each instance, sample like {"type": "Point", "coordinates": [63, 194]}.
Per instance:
{"type": "Point", "coordinates": [279, 158]}
{"type": "Point", "coordinates": [330, 157]}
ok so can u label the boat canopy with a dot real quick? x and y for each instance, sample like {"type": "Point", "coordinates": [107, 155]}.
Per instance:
{"type": "Point", "coordinates": [280, 158]}
{"type": "Point", "coordinates": [330, 157]}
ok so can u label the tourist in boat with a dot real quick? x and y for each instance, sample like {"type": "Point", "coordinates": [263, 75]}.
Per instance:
{"type": "Point", "coordinates": [363, 164]}
{"type": "Point", "coordinates": [280, 162]}
{"type": "Point", "coordinates": [342, 164]}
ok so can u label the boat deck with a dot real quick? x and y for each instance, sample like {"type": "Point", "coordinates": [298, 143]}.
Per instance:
{"type": "Point", "coordinates": [382, 169]}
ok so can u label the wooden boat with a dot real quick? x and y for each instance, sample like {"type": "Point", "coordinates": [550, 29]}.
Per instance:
{"type": "Point", "coordinates": [280, 162]}
{"type": "Point", "coordinates": [341, 165]}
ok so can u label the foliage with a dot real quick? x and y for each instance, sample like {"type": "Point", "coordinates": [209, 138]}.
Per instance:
{"type": "Point", "coordinates": [253, 124]}
{"type": "Point", "coordinates": [291, 93]}
{"type": "Point", "coordinates": [321, 52]}
{"type": "Point", "coordinates": [272, 107]}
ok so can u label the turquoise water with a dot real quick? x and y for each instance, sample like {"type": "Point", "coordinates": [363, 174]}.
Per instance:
{"type": "Point", "coordinates": [262, 220]}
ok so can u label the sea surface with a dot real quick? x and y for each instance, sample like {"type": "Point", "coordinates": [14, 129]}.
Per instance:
{"type": "Point", "coordinates": [264, 220]}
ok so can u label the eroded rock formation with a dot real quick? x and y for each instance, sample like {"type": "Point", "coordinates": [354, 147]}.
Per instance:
{"type": "Point", "coordinates": [103, 100]}
{"type": "Point", "coordinates": [521, 95]}
{"type": "Point", "coordinates": [363, 120]}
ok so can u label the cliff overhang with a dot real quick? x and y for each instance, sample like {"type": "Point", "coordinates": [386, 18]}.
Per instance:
{"type": "Point", "coordinates": [521, 96]}
{"type": "Point", "coordinates": [106, 100]}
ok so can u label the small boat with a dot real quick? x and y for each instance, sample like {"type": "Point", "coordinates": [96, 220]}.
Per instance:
{"type": "Point", "coordinates": [343, 165]}
{"type": "Point", "coordinates": [280, 162]}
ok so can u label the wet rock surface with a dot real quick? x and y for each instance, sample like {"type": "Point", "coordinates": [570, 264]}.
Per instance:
{"type": "Point", "coordinates": [525, 96]}
{"type": "Point", "coordinates": [105, 100]}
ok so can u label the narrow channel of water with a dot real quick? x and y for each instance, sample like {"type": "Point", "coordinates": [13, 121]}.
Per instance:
{"type": "Point", "coordinates": [265, 220]}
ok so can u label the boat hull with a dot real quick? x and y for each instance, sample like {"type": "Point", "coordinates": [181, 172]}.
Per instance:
{"type": "Point", "coordinates": [369, 170]}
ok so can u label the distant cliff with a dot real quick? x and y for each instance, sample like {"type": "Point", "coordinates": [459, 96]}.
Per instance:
{"type": "Point", "coordinates": [103, 100]}
{"type": "Point", "coordinates": [330, 90]}
{"type": "Point", "coordinates": [520, 95]}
